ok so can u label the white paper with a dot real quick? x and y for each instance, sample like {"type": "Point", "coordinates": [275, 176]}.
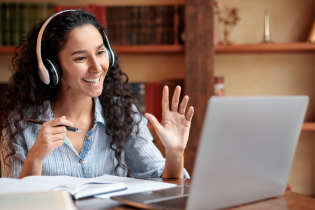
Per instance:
{"type": "Point", "coordinates": [133, 185]}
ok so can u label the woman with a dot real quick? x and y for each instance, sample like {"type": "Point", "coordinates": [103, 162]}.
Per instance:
{"type": "Point", "coordinates": [90, 96]}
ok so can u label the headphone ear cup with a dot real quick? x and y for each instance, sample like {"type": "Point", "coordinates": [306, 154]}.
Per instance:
{"type": "Point", "coordinates": [109, 51]}
{"type": "Point", "coordinates": [54, 71]}
{"type": "Point", "coordinates": [110, 56]}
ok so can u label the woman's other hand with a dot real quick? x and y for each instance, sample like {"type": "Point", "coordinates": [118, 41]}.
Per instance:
{"type": "Point", "coordinates": [175, 124]}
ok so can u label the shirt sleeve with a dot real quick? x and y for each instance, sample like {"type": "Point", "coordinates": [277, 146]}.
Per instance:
{"type": "Point", "coordinates": [142, 157]}
{"type": "Point", "coordinates": [17, 160]}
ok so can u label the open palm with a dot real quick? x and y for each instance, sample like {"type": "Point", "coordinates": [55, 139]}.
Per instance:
{"type": "Point", "coordinates": [175, 125]}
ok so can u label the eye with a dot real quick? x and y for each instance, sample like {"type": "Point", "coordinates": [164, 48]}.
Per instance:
{"type": "Point", "coordinates": [100, 52]}
{"type": "Point", "coordinates": [80, 59]}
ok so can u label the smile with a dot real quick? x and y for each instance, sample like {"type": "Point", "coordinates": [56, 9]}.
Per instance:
{"type": "Point", "coordinates": [92, 81]}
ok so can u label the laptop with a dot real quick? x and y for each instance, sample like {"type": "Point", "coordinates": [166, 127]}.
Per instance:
{"type": "Point", "coordinates": [245, 154]}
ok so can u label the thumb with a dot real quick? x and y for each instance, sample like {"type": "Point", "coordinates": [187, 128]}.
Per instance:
{"type": "Point", "coordinates": [157, 126]}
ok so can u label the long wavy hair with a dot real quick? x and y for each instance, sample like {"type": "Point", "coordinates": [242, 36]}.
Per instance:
{"type": "Point", "coordinates": [26, 93]}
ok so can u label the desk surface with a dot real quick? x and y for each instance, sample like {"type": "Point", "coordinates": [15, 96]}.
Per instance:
{"type": "Point", "coordinates": [288, 201]}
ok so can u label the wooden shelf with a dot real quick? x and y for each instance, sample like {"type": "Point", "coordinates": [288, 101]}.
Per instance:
{"type": "Point", "coordinates": [132, 49]}
{"type": "Point", "coordinates": [7, 49]}
{"type": "Point", "coordinates": [220, 49]}
{"type": "Point", "coordinates": [137, 49]}
{"type": "Point", "coordinates": [266, 48]}
{"type": "Point", "coordinates": [307, 126]}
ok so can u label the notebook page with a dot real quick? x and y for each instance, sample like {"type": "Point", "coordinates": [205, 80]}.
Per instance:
{"type": "Point", "coordinates": [72, 183]}
{"type": "Point", "coordinates": [8, 186]}
{"type": "Point", "coordinates": [62, 181]}
{"type": "Point", "coordinates": [133, 185]}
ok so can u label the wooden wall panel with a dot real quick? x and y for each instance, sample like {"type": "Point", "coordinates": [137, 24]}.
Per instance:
{"type": "Point", "coordinates": [199, 68]}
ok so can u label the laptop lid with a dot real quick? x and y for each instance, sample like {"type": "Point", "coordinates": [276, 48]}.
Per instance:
{"type": "Point", "coordinates": [246, 150]}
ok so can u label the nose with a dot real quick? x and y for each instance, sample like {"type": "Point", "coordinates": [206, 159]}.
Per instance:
{"type": "Point", "coordinates": [95, 65]}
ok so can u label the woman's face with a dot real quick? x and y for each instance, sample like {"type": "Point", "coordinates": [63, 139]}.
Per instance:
{"type": "Point", "coordinates": [84, 62]}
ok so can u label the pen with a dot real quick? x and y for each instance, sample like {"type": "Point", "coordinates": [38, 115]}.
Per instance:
{"type": "Point", "coordinates": [69, 128]}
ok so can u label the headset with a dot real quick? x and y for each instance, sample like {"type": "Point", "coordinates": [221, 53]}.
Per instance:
{"type": "Point", "coordinates": [48, 70]}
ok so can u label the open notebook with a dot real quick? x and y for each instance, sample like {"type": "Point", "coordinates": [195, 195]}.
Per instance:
{"type": "Point", "coordinates": [77, 187]}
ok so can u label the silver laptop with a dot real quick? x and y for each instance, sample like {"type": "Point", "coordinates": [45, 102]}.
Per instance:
{"type": "Point", "coordinates": [245, 154]}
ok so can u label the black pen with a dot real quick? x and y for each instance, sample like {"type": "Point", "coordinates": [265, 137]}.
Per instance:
{"type": "Point", "coordinates": [69, 128]}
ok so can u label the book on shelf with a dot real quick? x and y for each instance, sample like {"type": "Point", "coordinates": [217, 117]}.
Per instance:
{"type": "Point", "coordinates": [16, 19]}
{"type": "Point", "coordinates": [125, 25]}
{"type": "Point", "coordinates": [311, 36]}
{"type": "Point", "coordinates": [142, 25]}
{"type": "Point", "coordinates": [149, 95]}
{"type": "Point", "coordinates": [77, 187]}
{"type": "Point", "coordinates": [98, 11]}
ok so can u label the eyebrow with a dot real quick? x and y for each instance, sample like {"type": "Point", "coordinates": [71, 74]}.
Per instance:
{"type": "Point", "coordinates": [83, 51]}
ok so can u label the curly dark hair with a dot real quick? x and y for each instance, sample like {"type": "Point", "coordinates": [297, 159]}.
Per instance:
{"type": "Point", "coordinates": [26, 93]}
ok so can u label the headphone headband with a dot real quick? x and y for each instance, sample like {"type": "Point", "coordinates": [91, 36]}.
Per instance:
{"type": "Point", "coordinates": [42, 71]}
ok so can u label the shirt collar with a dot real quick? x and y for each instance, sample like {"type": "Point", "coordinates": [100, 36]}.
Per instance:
{"type": "Point", "coordinates": [99, 115]}
{"type": "Point", "coordinates": [47, 114]}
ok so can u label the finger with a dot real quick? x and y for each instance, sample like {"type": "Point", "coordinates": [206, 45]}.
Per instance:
{"type": "Point", "coordinates": [183, 105]}
{"type": "Point", "coordinates": [190, 114]}
{"type": "Point", "coordinates": [55, 130]}
{"type": "Point", "coordinates": [175, 100]}
{"type": "Point", "coordinates": [57, 137]}
{"type": "Point", "coordinates": [59, 121]}
{"type": "Point", "coordinates": [58, 143]}
{"type": "Point", "coordinates": [157, 126]}
{"type": "Point", "coordinates": [165, 101]}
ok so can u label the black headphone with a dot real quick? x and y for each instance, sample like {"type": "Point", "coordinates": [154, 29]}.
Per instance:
{"type": "Point", "coordinates": [49, 70]}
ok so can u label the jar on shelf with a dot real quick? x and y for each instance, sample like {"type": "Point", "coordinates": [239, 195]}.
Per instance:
{"type": "Point", "coordinates": [218, 86]}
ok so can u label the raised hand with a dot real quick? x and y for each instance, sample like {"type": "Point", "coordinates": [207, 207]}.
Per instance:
{"type": "Point", "coordinates": [175, 124]}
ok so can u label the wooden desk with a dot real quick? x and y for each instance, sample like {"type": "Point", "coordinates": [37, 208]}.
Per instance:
{"type": "Point", "coordinates": [288, 201]}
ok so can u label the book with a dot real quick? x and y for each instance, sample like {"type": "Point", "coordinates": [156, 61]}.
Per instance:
{"type": "Point", "coordinates": [153, 99]}
{"type": "Point", "coordinates": [33, 15]}
{"type": "Point", "coordinates": [77, 187]}
{"type": "Point", "coordinates": [152, 25]}
{"type": "Point", "coordinates": [15, 23]}
{"type": "Point", "coordinates": [1, 25]}
{"type": "Point", "coordinates": [42, 11]}
{"type": "Point", "coordinates": [37, 201]}
{"type": "Point", "coordinates": [181, 24]}
{"type": "Point", "coordinates": [6, 24]}
{"type": "Point", "coordinates": [24, 23]}
{"type": "Point", "coordinates": [141, 26]}
{"type": "Point", "coordinates": [311, 36]}
{"type": "Point", "coordinates": [134, 25]}
{"type": "Point", "coordinates": [158, 24]}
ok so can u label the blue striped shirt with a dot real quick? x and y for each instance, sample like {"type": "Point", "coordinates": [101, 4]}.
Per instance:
{"type": "Point", "coordinates": [141, 156]}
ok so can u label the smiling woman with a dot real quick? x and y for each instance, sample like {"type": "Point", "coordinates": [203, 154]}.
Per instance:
{"type": "Point", "coordinates": [92, 95]}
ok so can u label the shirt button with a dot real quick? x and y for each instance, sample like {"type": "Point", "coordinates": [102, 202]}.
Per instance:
{"type": "Point", "coordinates": [89, 138]}
{"type": "Point", "coordinates": [80, 161]}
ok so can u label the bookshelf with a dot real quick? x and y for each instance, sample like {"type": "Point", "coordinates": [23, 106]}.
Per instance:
{"type": "Point", "coordinates": [219, 49]}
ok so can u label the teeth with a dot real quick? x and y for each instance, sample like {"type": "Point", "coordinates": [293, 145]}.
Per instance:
{"type": "Point", "coordinates": [92, 80]}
